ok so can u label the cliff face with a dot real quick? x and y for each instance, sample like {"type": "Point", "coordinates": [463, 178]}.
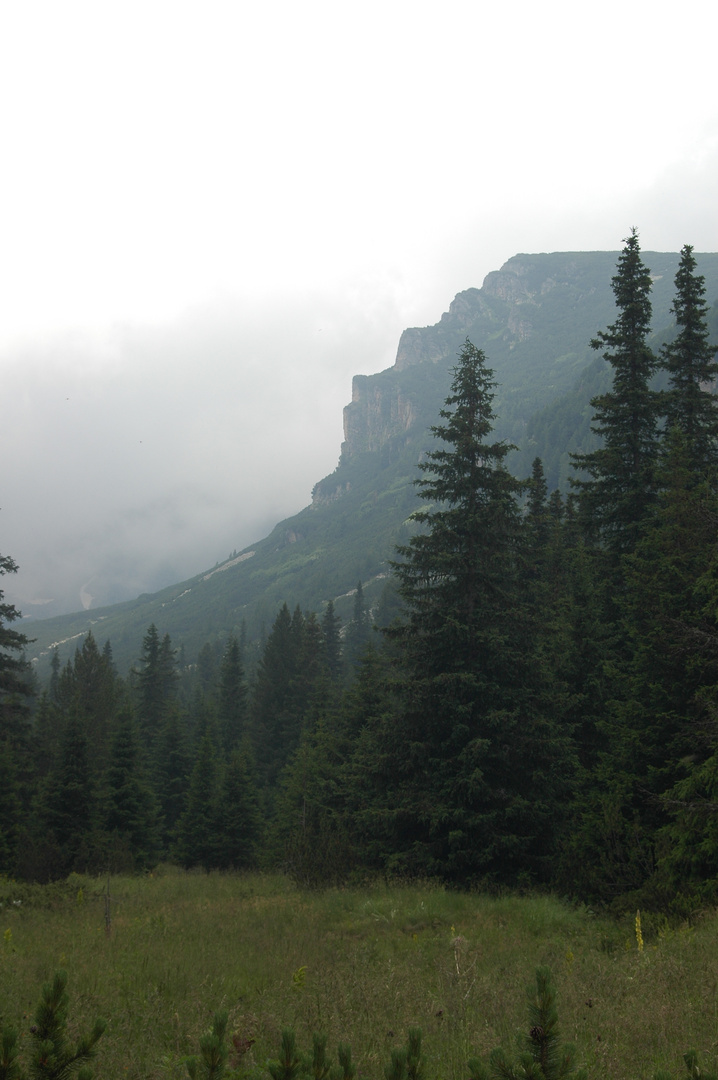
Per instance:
{"type": "Point", "coordinates": [499, 317]}
{"type": "Point", "coordinates": [376, 413]}
{"type": "Point", "coordinates": [534, 318]}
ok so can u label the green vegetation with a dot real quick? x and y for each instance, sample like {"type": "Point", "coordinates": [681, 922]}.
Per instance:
{"type": "Point", "coordinates": [534, 320]}
{"type": "Point", "coordinates": [360, 965]}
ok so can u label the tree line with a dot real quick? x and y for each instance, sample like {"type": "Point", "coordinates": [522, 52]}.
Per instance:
{"type": "Point", "coordinates": [540, 712]}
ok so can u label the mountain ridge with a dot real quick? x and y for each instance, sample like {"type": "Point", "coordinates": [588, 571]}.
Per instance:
{"type": "Point", "coordinates": [534, 318]}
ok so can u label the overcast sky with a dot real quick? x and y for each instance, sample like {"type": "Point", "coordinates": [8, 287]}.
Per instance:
{"type": "Point", "coordinates": [213, 215]}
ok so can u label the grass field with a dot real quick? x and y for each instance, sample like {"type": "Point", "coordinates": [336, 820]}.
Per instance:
{"type": "Point", "coordinates": [361, 965]}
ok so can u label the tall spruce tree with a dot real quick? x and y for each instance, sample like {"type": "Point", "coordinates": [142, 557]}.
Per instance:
{"type": "Point", "coordinates": [479, 772]}
{"type": "Point", "coordinates": [359, 630]}
{"type": "Point", "coordinates": [619, 490]}
{"type": "Point", "coordinates": [157, 683]}
{"type": "Point", "coordinates": [131, 812]}
{"type": "Point", "coordinates": [691, 404]}
{"type": "Point", "coordinates": [14, 729]}
{"type": "Point", "coordinates": [331, 629]}
{"type": "Point", "coordinates": [233, 697]}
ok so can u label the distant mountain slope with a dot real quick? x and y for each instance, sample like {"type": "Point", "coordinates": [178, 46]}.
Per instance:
{"type": "Point", "coordinates": [534, 318]}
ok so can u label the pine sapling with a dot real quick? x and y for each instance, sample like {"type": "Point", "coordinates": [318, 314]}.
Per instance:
{"type": "Point", "coordinates": [543, 1058]}
{"type": "Point", "coordinates": [345, 1070]}
{"type": "Point", "coordinates": [320, 1066]}
{"type": "Point", "coordinates": [10, 1068]}
{"type": "Point", "coordinates": [290, 1065]}
{"type": "Point", "coordinates": [395, 1069]}
{"type": "Point", "coordinates": [405, 1062]}
{"type": "Point", "coordinates": [413, 1055]}
{"type": "Point", "coordinates": [693, 1069]}
{"type": "Point", "coordinates": [213, 1053]}
{"type": "Point", "coordinates": [52, 1057]}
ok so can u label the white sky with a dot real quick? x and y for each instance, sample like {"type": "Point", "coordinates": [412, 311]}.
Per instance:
{"type": "Point", "coordinates": [213, 215]}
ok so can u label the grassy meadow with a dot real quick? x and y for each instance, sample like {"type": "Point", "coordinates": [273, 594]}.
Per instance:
{"type": "Point", "coordinates": [361, 964]}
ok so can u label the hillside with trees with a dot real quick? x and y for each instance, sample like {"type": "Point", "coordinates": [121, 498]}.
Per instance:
{"type": "Point", "coordinates": [531, 702]}
{"type": "Point", "coordinates": [534, 319]}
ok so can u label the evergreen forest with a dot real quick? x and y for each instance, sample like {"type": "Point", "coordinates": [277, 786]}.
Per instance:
{"type": "Point", "coordinates": [530, 703]}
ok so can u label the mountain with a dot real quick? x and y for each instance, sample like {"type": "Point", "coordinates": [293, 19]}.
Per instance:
{"type": "Point", "coordinates": [534, 318]}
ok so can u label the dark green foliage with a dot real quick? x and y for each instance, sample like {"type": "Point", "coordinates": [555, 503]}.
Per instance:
{"type": "Point", "coordinates": [13, 667]}
{"type": "Point", "coordinates": [405, 1062]}
{"type": "Point", "coordinates": [52, 1056]}
{"type": "Point", "coordinates": [620, 486]}
{"type": "Point", "coordinates": [196, 828]}
{"type": "Point", "coordinates": [238, 821]}
{"type": "Point", "coordinates": [694, 1071]}
{"type": "Point", "coordinates": [359, 630]}
{"type": "Point", "coordinates": [543, 1057]}
{"type": "Point", "coordinates": [212, 1061]}
{"type": "Point", "coordinates": [289, 1065]}
{"type": "Point", "coordinates": [276, 725]}
{"type": "Point", "coordinates": [69, 805]}
{"type": "Point", "coordinates": [171, 765]}
{"type": "Point", "coordinates": [131, 813]}
{"type": "Point", "coordinates": [478, 771]}
{"type": "Point", "coordinates": [292, 1065]}
{"type": "Point", "coordinates": [15, 688]}
{"type": "Point", "coordinates": [331, 630]}
{"type": "Point", "coordinates": [690, 403]}
{"type": "Point", "coordinates": [156, 683]}
{"type": "Point", "coordinates": [233, 698]}
{"type": "Point", "coordinates": [94, 699]}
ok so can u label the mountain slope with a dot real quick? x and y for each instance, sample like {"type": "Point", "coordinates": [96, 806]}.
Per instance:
{"type": "Point", "coordinates": [534, 318]}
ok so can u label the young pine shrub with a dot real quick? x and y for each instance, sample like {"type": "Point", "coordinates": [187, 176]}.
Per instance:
{"type": "Point", "coordinates": [405, 1062]}
{"type": "Point", "coordinates": [693, 1070]}
{"type": "Point", "coordinates": [543, 1057]}
{"type": "Point", "coordinates": [52, 1056]}
{"type": "Point", "coordinates": [211, 1063]}
{"type": "Point", "coordinates": [291, 1065]}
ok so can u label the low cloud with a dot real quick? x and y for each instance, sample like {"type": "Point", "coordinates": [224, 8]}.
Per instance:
{"type": "Point", "coordinates": [148, 454]}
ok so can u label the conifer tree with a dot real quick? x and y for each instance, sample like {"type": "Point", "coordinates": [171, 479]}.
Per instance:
{"type": "Point", "coordinates": [276, 719]}
{"type": "Point", "coordinates": [238, 823]}
{"type": "Point", "coordinates": [331, 629]}
{"type": "Point", "coordinates": [131, 813]}
{"type": "Point", "coordinates": [359, 630]}
{"type": "Point", "coordinates": [15, 683]}
{"type": "Point", "coordinates": [233, 697]}
{"type": "Point", "coordinates": [70, 802]}
{"type": "Point", "coordinates": [157, 682]}
{"type": "Point", "coordinates": [171, 766]}
{"type": "Point", "coordinates": [197, 827]}
{"type": "Point", "coordinates": [478, 771]}
{"type": "Point", "coordinates": [691, 404]}
{"type": "Point", "coordinates": [94, 699]}
{"type": "Point", "coordinates": [618, 493]}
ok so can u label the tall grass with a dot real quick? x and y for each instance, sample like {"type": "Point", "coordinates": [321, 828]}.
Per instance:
{"type": "Point", "coordinates": [363, 965]}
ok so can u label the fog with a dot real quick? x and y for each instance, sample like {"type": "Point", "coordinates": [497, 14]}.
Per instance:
{"type": "Point", "coordinates": [213, 217]}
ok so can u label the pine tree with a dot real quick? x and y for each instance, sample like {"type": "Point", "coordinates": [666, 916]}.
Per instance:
{"type": "Point", "coordinates": [171, 765]}
{"type": "Point", "coordinates": [52, 1056]}
{"type": "Point", "coordinates": [619, 493]}
{"type": "Point", "coordinates": [331, 629]}
{"type": "Point", "coordinates": [94, 699]}
{"type": "Point", "coordinates": [359, 630]}
{"type": "Point", "coordinates": [275, 716]}
{"type": "Point", "coordinates": [131, 813]}
{"type": "Point", "coordinates": [691, 404]}
{"type": "Point", "coordinates": [69, 807]}
{"type": "Point", "coordinates": [478, 771]}
{"type": "Point", "coordinates": [233, 697]}
{"type": "Point", "coordinates": [157, 683]}
{"type": "Point", "coordinates": [15, 685]}
{"type": "Point", "coordinates": [197, 827]}
{"type": "Point", "coordinates": [238, 824]}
